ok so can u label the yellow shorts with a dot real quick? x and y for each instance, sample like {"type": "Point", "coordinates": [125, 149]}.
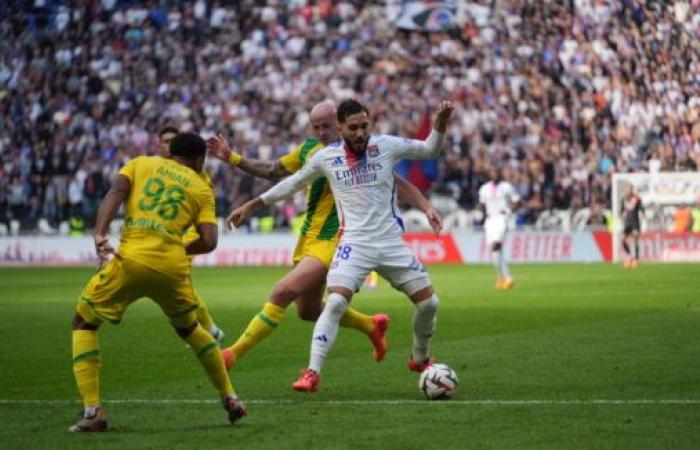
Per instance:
{"type": "Point", "coordinates": [122, 281]}
{"type": "Point", "coordinates": [323, 250]}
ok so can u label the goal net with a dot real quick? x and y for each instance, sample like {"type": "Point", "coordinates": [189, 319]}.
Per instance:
{"type": "Point", "coordinates": [662, 194]}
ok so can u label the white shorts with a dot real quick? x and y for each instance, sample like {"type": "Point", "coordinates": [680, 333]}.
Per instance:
{"type": "Point", "coordinates": [394, 261]}
{"type": "Point", "coordinates": [495, 228]}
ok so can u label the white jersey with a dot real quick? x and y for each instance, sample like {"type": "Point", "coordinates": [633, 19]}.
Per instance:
{"type": "Point", "coordinates": [497, 198]}
{"type": "Point", "coordinates": [364, 188]}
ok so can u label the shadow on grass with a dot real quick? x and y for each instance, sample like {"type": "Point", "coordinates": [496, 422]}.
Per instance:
{"type": "Point", "coordinates": [171, 429]}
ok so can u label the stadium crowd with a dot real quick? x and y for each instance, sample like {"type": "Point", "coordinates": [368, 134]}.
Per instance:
{"type": "Point", "coordinates": [558, 94]}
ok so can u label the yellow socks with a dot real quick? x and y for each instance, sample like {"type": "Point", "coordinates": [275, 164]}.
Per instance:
{"type": "Point", "coordinates": [258, 329]}
{"type": "Point", "coordinates": [207, 351]}
{"type": "Point", "coordinates": [262, 325]}
{"type": "Point", "coordinates": [355, 319]}
{"type": "Point", "coordinates": [86, 363]}
{"type": "Point", "coordinates": [86, 366]}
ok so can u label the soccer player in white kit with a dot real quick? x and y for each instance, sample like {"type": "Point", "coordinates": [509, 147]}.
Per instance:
{"type": "Point", "coordinates": [498, 197]}
{"type": "Point", "coordinates": [360, 172]}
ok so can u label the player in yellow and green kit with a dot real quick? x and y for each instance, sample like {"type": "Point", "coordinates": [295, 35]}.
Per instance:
{"type": "Point", "coordinates": [203, 316]}
{"type": "Point", "coordinates": [163, 197]}
{"type": "Point", "coordinates": [317, 243]}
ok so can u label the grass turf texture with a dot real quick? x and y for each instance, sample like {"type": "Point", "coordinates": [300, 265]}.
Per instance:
{"type": "Point", "coordinates": [566, 333]}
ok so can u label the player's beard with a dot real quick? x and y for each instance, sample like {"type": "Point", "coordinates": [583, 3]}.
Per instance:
{"type": "Point", "coordinates": [359, 147]}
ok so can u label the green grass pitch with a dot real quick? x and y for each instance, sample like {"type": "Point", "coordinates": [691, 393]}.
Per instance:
{"type": "Point", "coordinates": [576, 356]}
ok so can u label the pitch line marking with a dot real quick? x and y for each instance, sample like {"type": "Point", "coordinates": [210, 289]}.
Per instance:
{"type": "Point", "coordinates": [487, 402]}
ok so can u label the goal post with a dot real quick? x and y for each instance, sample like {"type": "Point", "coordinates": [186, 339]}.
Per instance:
{"type": "Point", "coordinates": [661, 194]}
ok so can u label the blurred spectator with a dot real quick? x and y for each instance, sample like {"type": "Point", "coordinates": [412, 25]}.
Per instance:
{"type": "Point", "coordinates": [559, 94]}
{"type": "Point", "coordinates": [597, 217]}
{"type": "Point", "coordinates": [682, 219]}
{"type": "Point", "coordinates": [696, 216]}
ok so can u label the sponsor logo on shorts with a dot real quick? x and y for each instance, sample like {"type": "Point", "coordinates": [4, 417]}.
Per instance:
{"type": "Point", "coordinates": [322, 338]}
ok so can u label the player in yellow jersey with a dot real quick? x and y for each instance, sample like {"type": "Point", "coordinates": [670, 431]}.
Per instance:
{"type": "Point", "coordinates": [317, 243]}
{"type": "Point", "coordinates": [162, 197]}
{"type": "Point", "coordinates": [203, 316]}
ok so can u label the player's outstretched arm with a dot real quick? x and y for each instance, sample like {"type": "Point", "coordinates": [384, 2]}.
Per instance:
{"type": "Point", "coordinates": [207, 240]}
{"type": "Point", "coordinates": [429, 148]}
{"type": "Point", "coordinates": [240, 214]}
{"type": "Point", "coordinates": [444, 111]}
{"type": "Point", "coordinates": [409, 193]}
{"type": "Point", "coordinates": [280, 191]}
{"type": "Point", "coordinates": [109, 207]}
{"type": "Point", "coordinates": [270, 170]}
{"type": "Point", "coordinates": [433, 144]}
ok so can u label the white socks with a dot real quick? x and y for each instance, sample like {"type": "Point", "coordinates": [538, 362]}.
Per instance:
{"type": "Point", "coordinates": [424, 318]}
{"type": "Point", "coordinates": [499, 260]}
{"type": "Point", "coordinates": [327, 325]}
{"type": "Point", "coordinates": [496, 261]}
{"type": "Point", "coordinates": [502, 266]}
{"type": "Point", "coordinates": [326, 330]}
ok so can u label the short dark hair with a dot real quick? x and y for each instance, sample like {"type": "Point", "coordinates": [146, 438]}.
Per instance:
{"type": "Point", "coordinates": [168, 129]}
{"type": "Point", "coordinates": [189, 146]}
{"type": "Point", "coordinates": [348, 107]}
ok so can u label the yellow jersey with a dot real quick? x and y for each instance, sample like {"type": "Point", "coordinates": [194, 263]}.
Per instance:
{"type": "Point", "coordinates": [166, 198]}
{"type": "Point", "coordinates": [321, 220]}
{"type": "Point", "coordinates": [191, 233]}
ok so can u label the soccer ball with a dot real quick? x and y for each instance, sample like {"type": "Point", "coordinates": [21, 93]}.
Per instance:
{"type": "Point", "coordinates": [438, 382]}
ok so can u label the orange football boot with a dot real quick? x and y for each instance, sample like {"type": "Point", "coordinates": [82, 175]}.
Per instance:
{"type": "Point", "coordinates": [307, 382]}
{"type": "Point", "coordinates": [377, 336]}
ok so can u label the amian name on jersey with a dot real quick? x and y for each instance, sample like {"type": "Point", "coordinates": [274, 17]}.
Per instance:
{"type": "Point", "coordinates": [176, 177]}
{"type": "Point", "coordinates": [360, 174]}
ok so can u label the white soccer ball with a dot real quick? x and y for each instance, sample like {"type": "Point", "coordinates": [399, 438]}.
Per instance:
{"type": "Point", "coordinates": [438, 382]}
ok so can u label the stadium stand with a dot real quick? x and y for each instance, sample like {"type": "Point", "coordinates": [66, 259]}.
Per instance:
{"type": "Point", "coordinates": [560, 94]}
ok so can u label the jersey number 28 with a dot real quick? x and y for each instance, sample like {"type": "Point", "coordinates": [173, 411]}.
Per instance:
{"type": "Point", "coordinates": [343, 252]}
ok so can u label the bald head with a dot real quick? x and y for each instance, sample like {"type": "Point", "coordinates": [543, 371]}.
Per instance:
{"type": "Point", "coordinates": [324, 122]}
{"type": "Point", "coordinates": [322, 110]}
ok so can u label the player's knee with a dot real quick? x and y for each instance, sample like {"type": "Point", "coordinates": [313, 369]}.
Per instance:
{"type": "Point", "coordinates": [417, 290]}
{"type": "Point", "coordinates": [185, 331]}
{"type": "Point", "coordinates": [81, 324]}
{"type": "Point", "coordinates": [429, 305]}
{"type": "Point", "coordinates": [336, 304]}
{"type": "Point", "coordinates": [284, 293]}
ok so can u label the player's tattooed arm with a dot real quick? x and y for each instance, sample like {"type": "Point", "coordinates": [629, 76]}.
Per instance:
{"type": "Point", "coordinates": [270, 170]}
{"type": "Point", "coordinates": [410, 194]}
{"type": "Point", "coordinates": [109, 207]}
{"type": "Point", "coordinates": [284, 189]}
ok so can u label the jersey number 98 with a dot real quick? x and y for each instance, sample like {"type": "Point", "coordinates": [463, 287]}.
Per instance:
{"type": "Point", "coordinates": [153, 194]}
